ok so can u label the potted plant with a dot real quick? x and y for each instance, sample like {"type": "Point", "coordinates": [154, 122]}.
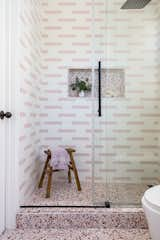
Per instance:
{"type": "Point", "coordinates": [81, 86]}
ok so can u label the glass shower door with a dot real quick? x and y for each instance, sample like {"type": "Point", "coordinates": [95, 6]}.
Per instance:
{"type": "Point", "coordinates": [101, 122]}
{"type": "Point", "coordinates": [126, 89]}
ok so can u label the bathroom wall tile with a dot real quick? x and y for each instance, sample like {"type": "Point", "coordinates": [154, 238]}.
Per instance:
{"type": "Point", "coordinates": [29, 73]}
{"type": "Point", "coordinates": [127, 135]}
{"type": "Point", "coordinates": [57, 36]}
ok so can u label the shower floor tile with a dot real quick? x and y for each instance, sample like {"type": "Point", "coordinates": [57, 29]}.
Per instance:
{"type": "Point", "coordinates": [65, 194]}
{"type": "Point", "coordinates": [62, 193]}
{"type": "Point", "coordinates": [77, 234]}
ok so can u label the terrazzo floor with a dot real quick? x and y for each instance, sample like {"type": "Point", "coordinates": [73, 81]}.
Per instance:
{"type": "Point", "coordinates": [63, 193]}
{"type": "Point", "coordinates": [88, 234]}
{"type": "Point", "coordinates": [66, 194]}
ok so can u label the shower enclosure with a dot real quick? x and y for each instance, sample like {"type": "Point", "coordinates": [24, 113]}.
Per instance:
{"type": "Point", "coordinates": [126, 82]}
{"type": "Point", "coordinates": [115, 129]}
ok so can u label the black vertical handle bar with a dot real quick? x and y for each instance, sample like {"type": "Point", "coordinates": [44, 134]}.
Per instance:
{"type": "Point", "coordinates": [99, 90]}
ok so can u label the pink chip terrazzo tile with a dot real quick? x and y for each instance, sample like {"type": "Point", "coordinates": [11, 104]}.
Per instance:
{"type": "Point", "coordinates": [89, 234]}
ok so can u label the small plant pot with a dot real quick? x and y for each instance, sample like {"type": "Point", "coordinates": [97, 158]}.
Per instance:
{"type": "Point", "coordinates": [81, 94]}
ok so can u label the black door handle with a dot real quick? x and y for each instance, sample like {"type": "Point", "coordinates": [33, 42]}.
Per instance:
{"type": "Point", "coordinates": [7, 115]}
{"type": "Point", "coordinates": [99, 90]}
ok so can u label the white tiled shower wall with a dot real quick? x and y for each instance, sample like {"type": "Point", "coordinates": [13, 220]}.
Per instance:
{"type": "Point", "coordinates": [127, 135]}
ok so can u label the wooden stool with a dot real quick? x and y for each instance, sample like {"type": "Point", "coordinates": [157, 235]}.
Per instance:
{"type": "Point", "coordinates": [49, 170]}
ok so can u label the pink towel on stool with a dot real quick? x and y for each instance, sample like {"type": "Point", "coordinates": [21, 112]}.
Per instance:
{"type": "Point", "coordinates": [60, 159]}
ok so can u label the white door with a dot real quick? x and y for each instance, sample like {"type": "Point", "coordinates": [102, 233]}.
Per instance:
{"type": "Point", "coordinates": [2, 158]}
{"type": "Point", "coordinates": [2, 122]}
{"type": "Point", "coordinates": [5, 116]}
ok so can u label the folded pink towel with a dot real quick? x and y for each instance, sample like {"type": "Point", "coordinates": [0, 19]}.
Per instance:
{"type": "Point", "coordinates": [59, 159]}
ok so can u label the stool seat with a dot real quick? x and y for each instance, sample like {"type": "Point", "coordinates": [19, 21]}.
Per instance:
{"type": "Point", "coordinates": [70, 150]}
{"type": "Point", "coordinates": [48, 169]}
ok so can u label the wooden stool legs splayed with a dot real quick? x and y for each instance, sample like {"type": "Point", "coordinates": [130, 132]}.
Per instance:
{"type": "Point", "coordinates": [49, 170]}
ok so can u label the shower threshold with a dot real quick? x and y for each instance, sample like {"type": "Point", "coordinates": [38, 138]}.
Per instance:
{"type": "Point", "coordinates": [81, 217]}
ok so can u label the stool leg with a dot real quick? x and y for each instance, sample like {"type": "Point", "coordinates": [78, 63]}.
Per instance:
{"type": "Point", "coordinates": [75, 172]}
{"type": "Point", "coordinates": [69, 175]}
{"type": "Point", "coordinates": [77, 179]}
{"type": "Point", "coordinates": [43, 173]}
{"type": "Point", "coordinates": [49, 182]}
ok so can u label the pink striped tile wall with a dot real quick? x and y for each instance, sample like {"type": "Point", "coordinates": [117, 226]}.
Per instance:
{"type": "Point", "coordinates": [130, 42]}
{"type": "Point", "coordinates": [57, 35]}
{"type": "Point", "coordinates": [158, 59]}
{"type": "Point", "coordinates": [30, 77]}
{"type": "Point", "coordinates": [66, 30]}
{"type": "Point", "coordinates": [128, 132]}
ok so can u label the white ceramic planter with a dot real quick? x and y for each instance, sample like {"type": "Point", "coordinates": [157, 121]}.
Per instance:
{"type": "Point", "coordinates": [81, 94]}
